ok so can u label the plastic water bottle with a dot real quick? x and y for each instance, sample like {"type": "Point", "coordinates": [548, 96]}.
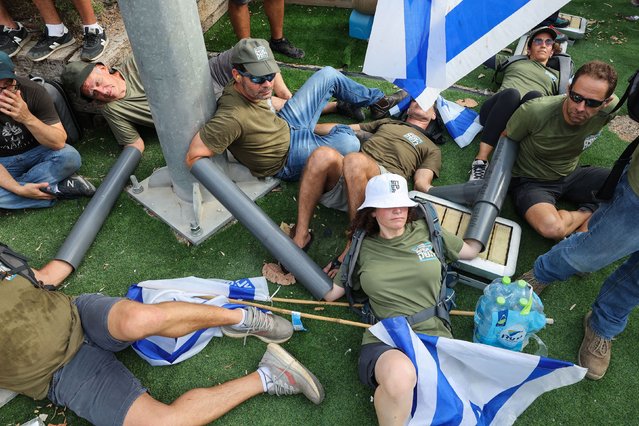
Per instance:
{"type": "Point", "coordinates": [489, 317]}
{"type": "Point", "coordinates": [499, 287]}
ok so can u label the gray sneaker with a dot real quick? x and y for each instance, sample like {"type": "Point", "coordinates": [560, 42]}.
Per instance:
{"type": "Point", "coordinates": [49, 44]}
{"type": "Point", "coordinates": [266, 327]}
{"type": "Point", "coordinates": [12, 40]}
{"type": "Point", "coordinates": [478, 170]}
{"type": "Point", "coordinates": [288, 376]}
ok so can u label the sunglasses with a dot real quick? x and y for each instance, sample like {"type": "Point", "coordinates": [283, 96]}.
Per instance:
{"type": "Point", "coordinates": [591, 103]}
{"type": "Point", "coordinates": [540, 41]}
{"type": "Point", "coordinates": [12, 87]}
{"type": "Point", "coordinates": [257, 79]}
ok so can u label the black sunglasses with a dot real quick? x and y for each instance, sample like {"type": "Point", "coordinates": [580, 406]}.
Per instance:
{"type": "Point", "coordinates": [540, 41]}
{"type": "Point", "coordinates": [257, 79]}
{"type": "Point", "coordinates": [591, 103]}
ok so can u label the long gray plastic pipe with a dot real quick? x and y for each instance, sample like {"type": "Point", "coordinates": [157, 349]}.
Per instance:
{"type": "Point", "coordinates": [167, 42]}
{"type": "Point", "coordinates": [91, 220]}
{"type": "Point", "coordinates": [262, 227]}
{"type": "Point", "coordinates": [485, 196]}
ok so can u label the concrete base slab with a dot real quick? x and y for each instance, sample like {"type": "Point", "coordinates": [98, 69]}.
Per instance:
{"type": "Point", "coordinates": [6, 396]}
{"type": "Point", "coordinates": [157, 195]}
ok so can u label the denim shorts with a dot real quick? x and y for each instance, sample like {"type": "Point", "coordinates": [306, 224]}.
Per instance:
{"type": "Point", "coordinates": [368, 356]}
{"type": "Point", "coordinates": [94, 384]}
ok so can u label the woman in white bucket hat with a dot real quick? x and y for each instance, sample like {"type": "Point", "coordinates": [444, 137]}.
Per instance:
{"type": "Point", "coordinates": [400, 274]}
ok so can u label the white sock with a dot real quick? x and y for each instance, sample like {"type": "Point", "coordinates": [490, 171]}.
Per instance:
{"type": "Point", "coordinates": [56, 30]}
{"type": "Point", "coordinates": [95, 26]}
{"type": "Point", "coordinates": [240, 324]}
{"type": "Point", "coordinates": [265, 377]}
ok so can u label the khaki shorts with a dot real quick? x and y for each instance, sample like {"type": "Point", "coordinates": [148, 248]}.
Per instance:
{"type": "Point", "coordinates": [337, 197]}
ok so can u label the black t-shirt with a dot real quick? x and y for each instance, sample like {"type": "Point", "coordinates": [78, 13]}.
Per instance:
{"type": "Point", "coordinates": [14, 137]}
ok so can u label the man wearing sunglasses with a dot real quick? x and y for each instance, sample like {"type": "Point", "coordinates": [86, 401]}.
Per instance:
{"type": "Point", "coordinates": [36, 164]}
{"type": "Point", "coordinates": [271, 143]}
{"type": "Point", "coordinates": [553, 132]}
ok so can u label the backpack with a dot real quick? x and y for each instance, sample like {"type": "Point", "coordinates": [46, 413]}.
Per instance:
{"type": "Point", "coordinates": [435, 130]}
{"type": "Point", "coordinates": [63, 108]}
{"type": "Point", "coordinates": [561, 62]}
{"type": "Point", "coordinates": [448, 279]}
{"type": "Point", "coordinates": [12, 263]}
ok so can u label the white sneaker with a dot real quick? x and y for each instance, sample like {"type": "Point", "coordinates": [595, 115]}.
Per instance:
{"type": "Point", "coordinates": [478, 170]}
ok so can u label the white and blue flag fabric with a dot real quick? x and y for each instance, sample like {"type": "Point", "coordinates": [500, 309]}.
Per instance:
{"type": "Point", "coordinates": [463, 383]}
{"type": "Point", "coordinates": [161, 351]}
{"type": "Point", "coordinates": [426, 46]}
{"type": "Point", "coordinates": [461, 123]}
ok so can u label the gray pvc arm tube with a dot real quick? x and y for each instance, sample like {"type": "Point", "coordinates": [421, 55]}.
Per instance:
{"type": "Point", "coordinates": [262, 227]}
{"type": "Point", "coordinates": [463, 193]}
{"type": "Point", "coordinates": [493, 192]}
{"type": "Point", "coordinates": [86, 228]}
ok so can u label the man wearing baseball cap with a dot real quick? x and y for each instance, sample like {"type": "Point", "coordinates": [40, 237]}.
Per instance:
{"type": "Point", "coordinates": [271, 143]}
{"type": "Point", "coordinates": [36, 164]}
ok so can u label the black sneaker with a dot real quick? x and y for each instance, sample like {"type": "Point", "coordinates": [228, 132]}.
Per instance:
{"type": "Point", "coordinates": [349, 110]}
{"type": "Point", "coordinates": [285, 47]}
{"type": "Point", "coordinates": [49, 44]}
{"type": "Point", "coordinates": [75, 186]}
{"type": "Point", "coordinates": [381, 108]}
{"type": "Point", "coordinates": [12, 40]}
{"type": "Point", "coordinates": [93, 45]}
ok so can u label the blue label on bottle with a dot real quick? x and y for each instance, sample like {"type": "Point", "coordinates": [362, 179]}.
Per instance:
{"type": "Point", "coordinates": [502, 318]}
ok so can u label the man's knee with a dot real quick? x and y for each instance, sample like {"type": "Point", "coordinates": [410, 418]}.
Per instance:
{"type": "Point", "coordinates": [323, 159]}
{"type": "Point", "coordinates": [548, 226]}
{"type": "Point", "coordinates": [403, 379]}
{"type": "Point", "coordinates": [129, 320]}
{"type": "Point", "coordinates": [68, 158]}
{"type": "Point", "coordinates": [357, 163]}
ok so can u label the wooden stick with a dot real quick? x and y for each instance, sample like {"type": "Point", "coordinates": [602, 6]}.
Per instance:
{"type": "Point", "coordinates": [302, 314]}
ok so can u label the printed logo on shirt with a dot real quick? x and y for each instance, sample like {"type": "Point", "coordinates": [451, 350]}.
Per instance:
{"type": "Point", "coordinates": [413, 139]}
{"type": "Point", "coordinates": [424, 252]}
{"type": "Point", "coordinates": [260, 53]}
{"type": "Point", "coordinates": [590, 139]}
{"type": "Point", "coordinates": [13, 136]}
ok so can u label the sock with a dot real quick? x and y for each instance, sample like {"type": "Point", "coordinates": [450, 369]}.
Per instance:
{"type": "Point", "coordinates": [265, 377]}
{"type": "Point", "coordinates": [8, 28]}
{"type": "Point", "coordinates": [240, 324]}
{"type": "Point", "coordinates": [56, 30]}
{"type": "Point", "coordinates": [53, 188]}
{"type": "Point", "coordinates": [95, 26]}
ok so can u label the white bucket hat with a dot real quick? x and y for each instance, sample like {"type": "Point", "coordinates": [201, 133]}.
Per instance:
{"type": "Point", "coordinates": [387, 190]}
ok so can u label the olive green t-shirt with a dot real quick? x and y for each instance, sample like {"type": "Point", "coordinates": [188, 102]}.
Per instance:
{"type": "Point", "coordinates": [402, 276]}
{"type": "Point", "coordinates": [549, 148]}
{"type": "Point", "coordinates": [254, 134]}
{"type": "Point", "coordinates": [400, 148]}
{"type": "Point", "coordinates": [527, 75]}
{"type": "Point", "coordinates": [123, 114]}
{"type": "Point", "coordinates": [40, 333]}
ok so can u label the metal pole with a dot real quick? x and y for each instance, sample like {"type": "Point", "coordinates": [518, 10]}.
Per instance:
{"type": "Point", "coordinates": [175, 75]}
{"type": "Point", "coordinates": [91, 220]}
{"type": "Point", "coordinates": [262, 227]}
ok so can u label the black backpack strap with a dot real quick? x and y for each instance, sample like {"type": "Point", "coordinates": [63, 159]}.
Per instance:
{"type": "Point", "coordinates": [13, 263]}
{"type": "Point", "coordinates": [349, 264]}
{"type": "Point", "coordinates": [500, 68]}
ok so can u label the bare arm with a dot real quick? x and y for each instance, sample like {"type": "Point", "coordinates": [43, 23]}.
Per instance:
{"type": "Point", "coordinates": [470, 249]}
{"type": "Point", "coordinates": [335, 293]}
{"type": "Point", "coordinates": [28, 190]}
{"type": "Point", "coordinates": [50, 135]}
{"type": "Point", "coordinates": [54, 272]}
{"type": "Point", "coordinates": [280, 89]}
{"type": "Point", "coordinates": [423, 179]}
{"type": "Point", "coordinates": [197, 150]}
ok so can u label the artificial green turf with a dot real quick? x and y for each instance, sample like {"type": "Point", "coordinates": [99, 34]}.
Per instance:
{"type": "Point", "coordinates": [133, 246]}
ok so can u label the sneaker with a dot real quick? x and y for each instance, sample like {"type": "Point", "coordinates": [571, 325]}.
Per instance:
{"type": "Point", "coordinates": [478, 170]}
{"type": "Point", "coordinates": [349, 110]}
{"type": "Point", "coordinates": [595, 351]}
{"type": "Point", "coordinates": [12, 40]}
{"type": "Point", "coordinates": [49, 44]}
{"type": "Point", "coordinates": [93, 45]}
{"type": "Point", "coordinates": [73, 187]}
{"type": "Point", "coordinates": [561, 23]}
{"type": "Point", "coordinates": [381, 108]}
{"type": "Point", "coordinates": [536, 285]}
{"type": "Point", "coordinates": [287, 376]}
{"type": "Point", "coordinates": [285, 47]}
{"type": "Point", "coordinates": [266, 327]}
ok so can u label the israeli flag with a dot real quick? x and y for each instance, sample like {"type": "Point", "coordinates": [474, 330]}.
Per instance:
{"type": "Point", "coordinates": [463, 383]}
{"type": "Point", "coordinates": [160, 351]}
{"type": "Point", "coordinates": [461, 123]}
{"type": "Point", "coordinates": [426, 46]}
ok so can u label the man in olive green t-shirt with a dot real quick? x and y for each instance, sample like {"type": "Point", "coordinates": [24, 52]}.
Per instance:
{"type": "Point", "coordinates": [553, 132]}
{"type": "Point", "coordinates": [339, 181]}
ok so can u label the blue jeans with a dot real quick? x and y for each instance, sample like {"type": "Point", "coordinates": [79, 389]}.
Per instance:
{"type": "Point", "coordinates": [303, 110]}
{"type": "Point", "coordinates": [37, 165]}
{"type": "Point", "coordinates": [612, 234]}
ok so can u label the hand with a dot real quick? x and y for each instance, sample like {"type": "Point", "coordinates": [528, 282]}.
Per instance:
{"type": "Point", "coordinates": [12, 104]}
{"type": "Point", "coordinates": [34, 190]}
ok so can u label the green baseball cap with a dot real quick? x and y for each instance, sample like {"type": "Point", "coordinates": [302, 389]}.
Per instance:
{"type": "Point", "coordinates": [534, 33]}
{"type": "Point", "coordinates": [256, 56]}
{"type": "Point", "coordinates": [6, 66]}
{"type": "Point", "coordinates": [75, 74]}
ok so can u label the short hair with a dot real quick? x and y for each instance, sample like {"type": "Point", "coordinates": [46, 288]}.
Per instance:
{"type": "Point", "coordinates": [599, 71]}
{"type": "Point", "coordinates": [239, 67]}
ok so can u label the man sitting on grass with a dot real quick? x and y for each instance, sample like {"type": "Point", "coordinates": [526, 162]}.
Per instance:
{"type": "Point", "coordinates": [62, 348]}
